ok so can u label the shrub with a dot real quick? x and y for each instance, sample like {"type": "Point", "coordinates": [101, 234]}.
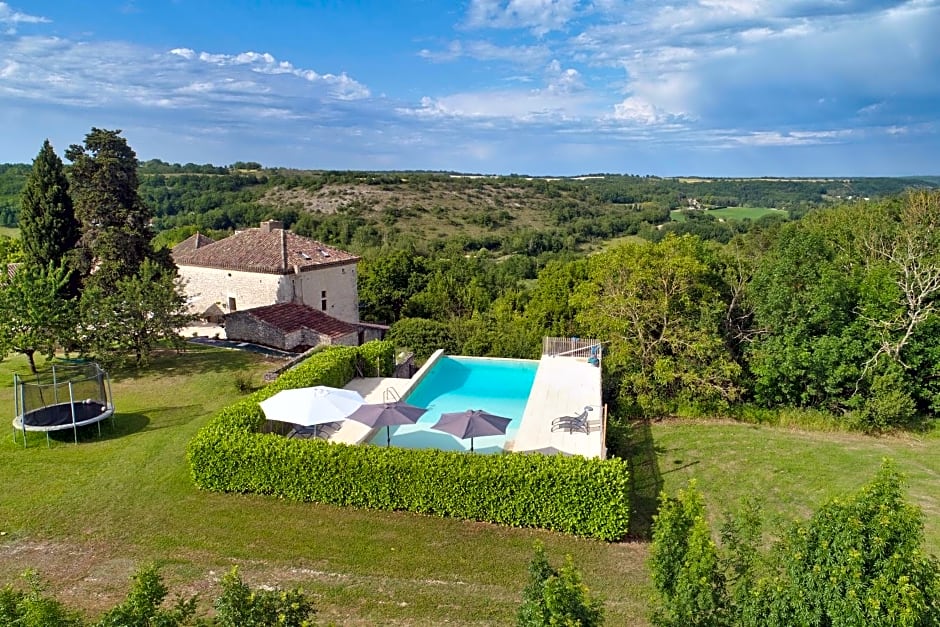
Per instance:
{"type": "Point", "coordinates": [143, 606]}
{"type": "Point", "coordinates": [554, 597]}
{"type": "Point", "coordinates": [587, 497]}
{"type": "Point", "coordinates": [243, 382]}
{"type": "Point", "coordinates": [33, 608]}
{"type": "Point", "coordinates": [240, 606]}
{"type": "Point", "coordinates": [857, 561]}
{"type": "Point", "coordinates": [423, 336]}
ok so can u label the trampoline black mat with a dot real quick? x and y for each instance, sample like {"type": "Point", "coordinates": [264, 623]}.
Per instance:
{"type": "Point", "coordinates": [60, 415]}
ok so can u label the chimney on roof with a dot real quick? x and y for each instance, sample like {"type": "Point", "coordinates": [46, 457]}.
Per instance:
{"type": "Point", "coordinates": [271, 225]}
{"type": "Point", "coordinates": [283, 250]}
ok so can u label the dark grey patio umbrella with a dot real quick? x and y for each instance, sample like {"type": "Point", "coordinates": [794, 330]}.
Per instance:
{"type": "Point", "coordinates": [387, 415]}
{"type": "Point", "coordinates": [473, 423]}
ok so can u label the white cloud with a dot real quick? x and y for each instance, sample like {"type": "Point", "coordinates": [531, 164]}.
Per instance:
{"type": "Point", "coordinates": [340, 86]}
{"type": "Point", "coordinates": [562, 98]}
{"type": "Point", "coordinates": [488, 51]}
{"type": "Point", "coordinates": [115, 75]}
{"type": "Point", "coordinates": [11, 17]}
{"type": "Point", "coordinates": [538, 16]}
{"type": "Point", "coordinates": [638, 110]}
{"type": "Point", "coordinates": [792, 138]}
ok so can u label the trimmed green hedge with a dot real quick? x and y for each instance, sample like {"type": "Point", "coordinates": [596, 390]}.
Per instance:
{"type": "Point", "coordinates": [586, 497]}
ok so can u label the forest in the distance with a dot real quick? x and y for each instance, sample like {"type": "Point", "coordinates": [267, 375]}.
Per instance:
{"type": "Point", "coordinates": [508, 214]}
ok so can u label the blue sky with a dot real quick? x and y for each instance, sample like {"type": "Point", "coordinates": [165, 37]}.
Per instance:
{"type": "Point", "coordinates": [550, 87]}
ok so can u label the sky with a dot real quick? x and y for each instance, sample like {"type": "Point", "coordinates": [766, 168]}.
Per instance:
{"type": "Point", "coordinates": [540, 87]}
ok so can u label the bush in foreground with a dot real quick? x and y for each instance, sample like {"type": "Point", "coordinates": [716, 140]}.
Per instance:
{"type": "Point", "coordinates": [857, 561]}
{"type": "Point", "coordinates": [238, 606]}
{"type": "Point", "coordinates": [554, 597]}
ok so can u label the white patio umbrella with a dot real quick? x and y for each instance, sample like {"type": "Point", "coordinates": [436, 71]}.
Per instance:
{"type": "Point", "coordinates": [311, 406]}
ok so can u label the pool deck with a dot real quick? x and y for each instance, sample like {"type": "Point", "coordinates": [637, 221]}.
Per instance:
{"type": "Point", "coordinates": [563, 386]}
{"type": "Point", "coordinates": [374, 390]}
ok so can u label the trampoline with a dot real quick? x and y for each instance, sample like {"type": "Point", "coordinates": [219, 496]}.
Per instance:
{"type": "Point", "coordinates": [65, 397]}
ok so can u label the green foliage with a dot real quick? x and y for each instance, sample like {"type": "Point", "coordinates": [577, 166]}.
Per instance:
{"type": "Point", "coordinates": [569, 601]}
{"type": "Point", "coordinates": [11, 250]}
{"type": "Point", "coordinates": [587, 497]}
{"type": "Point", "coordinates": [857, 561]}
{"type": "Point", "coordinates": [376, 359]}
{"type": "Point", "coordinates": [661, 307]}
{"type": "Point", "coordinates": [48, 227]}
{"type": "Point", "coordinates": [534, 612]}
{"type": "Point", "coordinates": [554, 597]}
{"type": "Point", "coordinates": [138, 313]}
{"type": "Point", "coordinates": [387, 281]}
{"type": "Point", "coordinates": [844, 313]}
{"type": "Point", "coordinates": [115, 228]}
{"type": "Point", "coordinates": [37, 316]}
{"type": "Point", "coordinates": [422, 336]}
{"type": "Point", "coordinates": [240, 606]}
{"type": "Point", "coordinates": [888, 403]}
{"type": "Point", "coordinates": [143, 605]}
{"type": "Point", "coordinates": [684, 564]}
{"type": "Point", "coordinates": [32, 607]}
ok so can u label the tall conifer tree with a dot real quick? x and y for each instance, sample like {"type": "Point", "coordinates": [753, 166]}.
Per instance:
{"type": "Point", "coordinates": [115, 234]}
{"type": "Point", "coordinates": [48, 227]}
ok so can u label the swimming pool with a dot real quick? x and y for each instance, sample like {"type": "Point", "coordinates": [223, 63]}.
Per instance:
{"type": "Point", "coordinates": [499, 386]}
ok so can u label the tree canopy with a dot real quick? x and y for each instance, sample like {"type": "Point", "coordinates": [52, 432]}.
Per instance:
{"type": "Point", "coordinates": [49, 230]}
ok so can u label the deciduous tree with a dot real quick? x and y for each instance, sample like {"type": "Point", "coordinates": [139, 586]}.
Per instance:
{"type": "Point", "coordinates": [37, 315]}
{"type": "Point", "coordinates": [661, 307]}
{"type": "Point", "coordinates": [135, 316]}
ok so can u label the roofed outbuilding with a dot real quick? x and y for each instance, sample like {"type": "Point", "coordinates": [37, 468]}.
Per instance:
{"type": "Point", "coordinates": [289, 327]}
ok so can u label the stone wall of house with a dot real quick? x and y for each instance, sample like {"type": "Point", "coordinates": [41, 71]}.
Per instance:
{"type": "Point", "coordinates": [205, 286]}
{"type": "Point", "coordinates": [312, 338]}
{"type": "Point", "coordinates": [338, 282]}
{"type": "Point", "coordinates": [243, 327]}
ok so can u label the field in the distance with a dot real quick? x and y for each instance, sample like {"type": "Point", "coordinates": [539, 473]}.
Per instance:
{"type": "Point", "coordinates": [730, 213]}
{"type": "Point", "coordinates": [9, 231]}
{"type": "Point", "coordinates": [87, 516]}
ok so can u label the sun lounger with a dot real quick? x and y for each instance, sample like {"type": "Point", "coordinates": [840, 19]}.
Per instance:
{"type": "Point", "coordinates": [573, 423]}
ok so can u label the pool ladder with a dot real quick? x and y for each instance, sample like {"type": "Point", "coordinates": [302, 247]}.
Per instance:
{"type": "Point", "coordinates": [391, 395]}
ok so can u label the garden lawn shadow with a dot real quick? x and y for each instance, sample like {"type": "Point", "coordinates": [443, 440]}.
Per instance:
{"type": "Point", "coordinates": [646, 480]}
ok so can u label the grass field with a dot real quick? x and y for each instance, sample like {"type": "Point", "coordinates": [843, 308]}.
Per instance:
{"type": "Point", "coordinates": [87, 516]}
{"type": "Point", "coordinates": [9, 231]}
{"type": "Point", "coordinates": [731, 213]}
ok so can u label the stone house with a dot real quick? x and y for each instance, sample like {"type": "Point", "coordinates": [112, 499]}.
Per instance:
{"type": "Point", "coordinates": [275, 288]}
{"type": "Point", "coordinates": [266, 266]}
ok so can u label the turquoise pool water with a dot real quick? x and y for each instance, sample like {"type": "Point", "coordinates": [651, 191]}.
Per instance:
{"type": "Point", "coordinates": [499, 386]}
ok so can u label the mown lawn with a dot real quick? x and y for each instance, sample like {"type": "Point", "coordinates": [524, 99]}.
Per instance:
{"type": "Point", "coordinates": [87, 516]}
{"type": "Point", "coordinates": [9, 231]}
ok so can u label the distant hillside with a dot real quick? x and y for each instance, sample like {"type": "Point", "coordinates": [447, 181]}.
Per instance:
{"type": "Point", "coordinates": [360, 210]}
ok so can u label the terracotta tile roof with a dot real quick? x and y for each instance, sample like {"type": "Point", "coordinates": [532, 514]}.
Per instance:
{"type": "Point", "coordinates": [191, 243]}
{"type": "Point", "coordinates": [261, 250]}
{"type": "Point", "coordinates": [290, 317]}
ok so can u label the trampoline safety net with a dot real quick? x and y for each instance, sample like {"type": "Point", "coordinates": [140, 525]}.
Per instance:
{"type": "Point", "coordinates": [51, 387]}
